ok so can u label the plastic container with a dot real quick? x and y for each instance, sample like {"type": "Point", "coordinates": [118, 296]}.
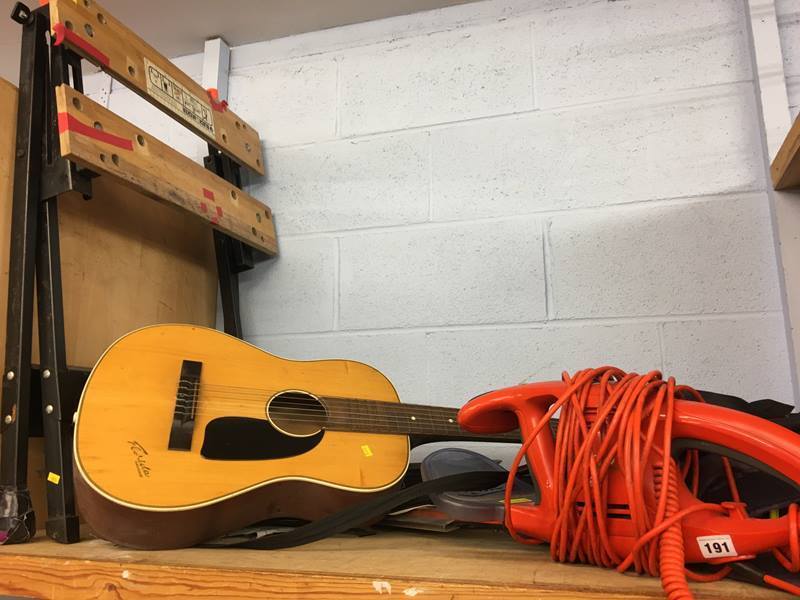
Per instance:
{"type": "Point", "coordinates": [483, 506]}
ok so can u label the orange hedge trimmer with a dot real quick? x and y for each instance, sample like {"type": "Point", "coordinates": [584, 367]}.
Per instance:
{"type": "Point", "coordinates": [618, 484]}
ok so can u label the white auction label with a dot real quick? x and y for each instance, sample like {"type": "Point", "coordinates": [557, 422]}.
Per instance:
{"type": "Point", "coordinates": [716, 546]}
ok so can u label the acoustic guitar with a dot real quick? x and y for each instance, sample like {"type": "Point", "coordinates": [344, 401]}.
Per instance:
{"type": "Point", "coordinates": [184, 433]}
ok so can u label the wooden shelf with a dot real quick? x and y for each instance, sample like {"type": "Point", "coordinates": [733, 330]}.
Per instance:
{"type": "Point", "coordinates": [463, 564]}
{"type": "Point", "coordinates": [785, 168]}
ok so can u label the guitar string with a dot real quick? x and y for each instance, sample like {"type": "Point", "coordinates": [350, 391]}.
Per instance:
{"type": "Point", "coordinates": [430, 417]}
{"type": "Point", "coordinates": [229, 400]}
{"type": "Point", "coordinates": [259, 393]}
{"type": "Point", "coordinates": [308, 415]}
{"type": "Point", "coordinates": [301, 408]}
{"type": "Point", "coordinates": [399, 423]}
{"type": "Point", "coordinates": [191, 382]}
{"type": "Point", "coordinates": [299, 412]}
{"type": "Point", "coordinates": [302, 413]}
{"type": "Point", "coordinates": [373, 426]}
{"type": "Point", "coordinates": [348, 425]}
{"type": "Point", "coordinates": [400, 410]}
{"type": "Point", "coordinates": [368, 407]}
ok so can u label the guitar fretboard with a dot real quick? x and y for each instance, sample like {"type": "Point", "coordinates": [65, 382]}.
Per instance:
{"type": "Point", "coordinates": [372, 416]}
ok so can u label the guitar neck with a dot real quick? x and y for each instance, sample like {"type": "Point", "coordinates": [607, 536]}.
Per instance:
{"type": "Point", "coordinates": [422, 423]}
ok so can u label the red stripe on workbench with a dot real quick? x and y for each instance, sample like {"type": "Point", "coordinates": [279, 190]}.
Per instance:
{"type": "Point", "coordinates": [208, 194]}
{"type": "Point", "coordinates": [66, 122]}
{"type": "Point", "coordinates": [62, 33]}
{"type": "Point", "coordinates": [219, 211]}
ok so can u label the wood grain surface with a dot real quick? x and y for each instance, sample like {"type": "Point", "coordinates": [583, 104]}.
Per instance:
{"type": "Point", "coordinates": [785, 168]}
{"type": "Point", "coordinates": [101, 39]}
{"type": "Point", "coordinates": [126, 262]}
{"type": "Point", "coordinates": [463, 564]}
{"type": "Point", "coordinates": [130, 400]}
{"type": "Point", "coordinates": [95, 137]}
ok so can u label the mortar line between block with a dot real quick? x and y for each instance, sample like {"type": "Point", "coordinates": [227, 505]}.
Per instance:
{"type": "Point", "coordinates": [658, 97]}
{"type": "Point", "coordinates": [555, 324]}
{"type": "Point", "coordinates": [543, 214]}
{"type": "Point", "coordinates": [548, 287]}
{"type": "Point", "coordinates": [337, 285]}
{"type": "Point", "coordinates": [661, 345]}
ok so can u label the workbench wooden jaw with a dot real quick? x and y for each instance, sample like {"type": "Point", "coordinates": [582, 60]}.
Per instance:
{"type": "Point", "coordinates": [88, 29]}
{"type": "Point", "coordinates": [96, 138]}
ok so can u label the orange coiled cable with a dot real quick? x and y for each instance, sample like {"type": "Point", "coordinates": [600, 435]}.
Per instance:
{"type": "Point", "coordinates": [621, 432]}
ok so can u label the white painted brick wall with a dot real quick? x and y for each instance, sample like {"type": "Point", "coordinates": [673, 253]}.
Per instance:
{"type": "Point", "coordinates": [491, 193]}
{"type": "Point", "coordinates": [294, 294]}
{"type": "Point", "coordinates": [729, 354]}
{"type": "Point", "coordinates": [604, 51]}
{"type": "Point", "coordinates": [696, 257]}
{"type": "Point", "coordinates": [685, 144]}
{"type": "Point", "coordinates": [467, 362]}
{"type": "Point", "coordinates": [446, 275]}
{"type": "Point", "coordinates": [296, 100]}
{"type": "Point", "coordinates": [788, 13]}
{"type": "Point", "coordinates": [349, 184]}
{"type": "Point", "coordinates": [446, 76]}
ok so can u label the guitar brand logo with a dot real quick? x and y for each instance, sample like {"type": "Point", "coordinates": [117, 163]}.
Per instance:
{"type": "Point", "coordinates": [139, 458]}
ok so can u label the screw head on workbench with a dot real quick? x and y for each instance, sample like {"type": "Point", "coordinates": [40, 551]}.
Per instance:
{"type": "Point", "coordinates": [7, 420]}
{"type": "Point", "coordinates": [49, 409]}
{"type": "Point", "coordinates": [46, 374]}
{"type": "Point", "coordinates": [10, 375]}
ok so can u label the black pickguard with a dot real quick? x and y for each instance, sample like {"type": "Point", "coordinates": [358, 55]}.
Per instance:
{"type": "Point", "coordinates": [243, 438]}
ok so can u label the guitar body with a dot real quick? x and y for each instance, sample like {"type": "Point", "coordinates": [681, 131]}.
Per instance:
{"type": "Point", "coordinates": [185, 433]}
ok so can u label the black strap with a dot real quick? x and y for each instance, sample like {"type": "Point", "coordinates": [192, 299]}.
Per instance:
{"type": "Point", "coordinates": [365, 512]}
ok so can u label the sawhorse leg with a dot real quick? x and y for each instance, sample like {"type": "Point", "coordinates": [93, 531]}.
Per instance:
{"type": "Point", "coordinates": [39, 176]}
{"type": "Point", "coordinates": [233, 256]}
{"type": "Point", "coordinates": [17, 521]}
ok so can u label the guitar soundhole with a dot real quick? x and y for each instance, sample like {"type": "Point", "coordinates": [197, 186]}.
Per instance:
{"type": "Point", "coordinates": [296, 413]}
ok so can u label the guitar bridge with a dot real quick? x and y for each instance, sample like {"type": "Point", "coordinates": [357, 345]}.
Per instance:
{"type": "Point", "coordinates": [180, 435]}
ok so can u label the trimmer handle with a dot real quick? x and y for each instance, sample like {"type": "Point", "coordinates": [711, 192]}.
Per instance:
{"type": "Point", "coordinates": [776, 448]}
{"type": "Point", "coordinates": [523, 406]}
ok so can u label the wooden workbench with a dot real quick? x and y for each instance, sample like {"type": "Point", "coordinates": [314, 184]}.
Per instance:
{"type": "Point", "coordinates": [463, 564]}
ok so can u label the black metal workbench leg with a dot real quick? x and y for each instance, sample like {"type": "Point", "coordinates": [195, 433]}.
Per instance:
{"type": "Point", "coordinates": [58, 401]}
{"type": "Point", "coordinates": [17, 521]}
{"type": "Point", "coordinates": [57, 409]}
{"type": "Point", "coordinates": [233, 256]}
{"type": "Point", "coordinates": [228, 284]}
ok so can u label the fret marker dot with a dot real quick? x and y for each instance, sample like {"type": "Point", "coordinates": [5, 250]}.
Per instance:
{"type": "Point", "coordinates": [413, 418]}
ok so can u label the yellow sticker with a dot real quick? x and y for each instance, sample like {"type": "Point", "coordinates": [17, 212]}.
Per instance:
{"type": "Point", "coordinates": [366, 450]}
{"type": "Point", "coordinates": [515, 500]}
{"type": "Point", "coordinates": [53, 478]}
